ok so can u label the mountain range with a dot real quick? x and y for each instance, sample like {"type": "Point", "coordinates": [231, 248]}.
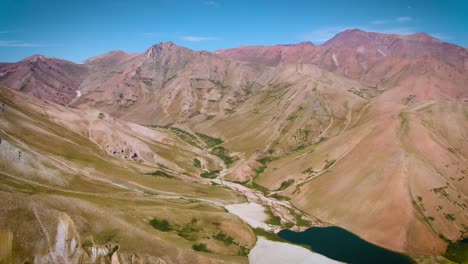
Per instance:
{"type": "Point", "coordinates": [367, 131]}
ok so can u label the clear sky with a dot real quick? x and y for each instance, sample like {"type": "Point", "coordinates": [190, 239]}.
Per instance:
{"type": "Point", "coordinates": [79, 29]}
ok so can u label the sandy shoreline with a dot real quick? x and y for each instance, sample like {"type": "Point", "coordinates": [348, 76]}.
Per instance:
{"type": "Point", "coordinates": [271, 252]}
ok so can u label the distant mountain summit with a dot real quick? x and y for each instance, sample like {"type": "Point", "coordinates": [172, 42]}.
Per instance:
{"type": "Point", "coordinates": [353, 52]}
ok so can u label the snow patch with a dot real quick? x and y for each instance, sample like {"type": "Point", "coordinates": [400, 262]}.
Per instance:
{"type": "Point", "coordinates": [78, 93]}
{"type": "Point", "coordinates": [335, 60]}
{"type": "Point", "coordinates": [383, 54]}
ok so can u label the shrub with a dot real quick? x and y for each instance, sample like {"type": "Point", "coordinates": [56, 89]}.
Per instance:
{"type": "Point", "coordinates": [264, 161]}
{"type": "Point", "coordinates": [185, 136]}
{"type": "Point", "coordinates": [329, 164]}
{"type": "Point", "coordinates": [254, 185]}
{"type": "Point", "coordinates": [210, 141]}
{"type": "Point", "coordinates": [228, 111]}
{"type": "Point", "coordinates": [221, 236]}
{"type": "Point", "coordinates": [160, 173]}
{"type": "Point", "coordinates": [450, 217]}
{"type": "Point", "coordinates": [285, 184]}
{"type": "Point", "coordinates": [188, 232]}
{"type": "Point", "coordinates": [161, 225]}
{"type": "Point", "coordinates": [201, 247]}
{"type": "Point", "coordinates": [273, 219]}
{"type": "Point", "coordinates": [210, 174]}
{"type": "Point", "coordinates": [196, 163]}
{"type": "Point", "coordinates": [280, 197]}
{"type": "Point", "coordinates": [299, 147]}
{"type": "Point", "coordinates": [243, 251]}
{"type": "Point", "coordinates": [222, 153]}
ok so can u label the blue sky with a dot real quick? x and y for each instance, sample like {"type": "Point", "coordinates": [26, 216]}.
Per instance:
{"type": "Point", "coordinates": [79, 29]}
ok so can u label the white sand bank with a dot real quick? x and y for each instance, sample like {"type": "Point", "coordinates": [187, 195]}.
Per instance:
{"type": "Point", "coordinates": [271, 252]}
{"type": "Point", "coordinates": [252, 213]}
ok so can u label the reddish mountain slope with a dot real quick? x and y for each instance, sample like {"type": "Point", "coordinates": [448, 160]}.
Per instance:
{"type": "Point", "coordinates": [46, 78]}
{"type": "Point", "coordinates": [353, 53]}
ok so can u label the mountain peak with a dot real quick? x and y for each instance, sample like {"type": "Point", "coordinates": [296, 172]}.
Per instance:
{"type": "Point", "coordinates": [353, 38]}
{"type": "Point", "coordinates": [422, 36]}
{"type": "Point", "coordinates": [166, 44]}
{"type": "Point", "coordinates": [114, 55]}
{"type": "Point", "coordinates": [305, 43]}
{"type": "Point", "coordinates": [354, 30]}
{"type": "Point", "coordinates": [165, 47]}
{"type": "Point", "coordinates": [300, 44]}
{"type": "Point", "coordinates": [34, 57]}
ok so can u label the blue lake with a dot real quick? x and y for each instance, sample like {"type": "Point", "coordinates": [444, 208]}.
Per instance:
{"type": "Point", "coordinates": [339, 244]}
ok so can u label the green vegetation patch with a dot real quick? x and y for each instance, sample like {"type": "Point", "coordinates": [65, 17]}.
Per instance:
{"type": "Point", "coordinates": [285, 184]}
{"type": "Point", "coordinates": [197, 163]}
{"type": "Point", "coordinates": [268, 235]}
{"type": "Point", "coordinates": [320, 140]}
{"type": "Point", "coordinates": [450, 217]}
{"type": "Point", "coordinates": [221, 236]}
{"type": "Point", "coordinates": [300, 147]}
{"type": "Point", "coordinates": [185, 136]}
{"type": "Point", "coordinates": [260, 169]}
{"type": "Point", "coordinates": [222, 153]}
{"type": "Point", "coordinates": [280, 197]}
{"type": "Point", "coordinates": [210, 174]}
{"type": "Point", "coordinates": [201, 247]}
{"type": "Point", "coordinates": [210, 141]}
{"type": "Point", "coordinates": [160, 173]}
{"type": "Point", "coordinates": [228, 111]}
{"type": "Point", "coordinates": [264, 161]}
{"type": "Point", "coordinates": [253, 185]}
{"type": "Point", "coordinates": [273, 219]}
{"type": "Point", "coordinates": [189, 231]}
{"type": "Point", "coordinates": [329, 164]}
{"type": "Point", "coordinates": [161, 225]}
{"type": "Point", "coordinates": [299, 220]}
{"type": "Point", "coordinates": [243, 251]}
